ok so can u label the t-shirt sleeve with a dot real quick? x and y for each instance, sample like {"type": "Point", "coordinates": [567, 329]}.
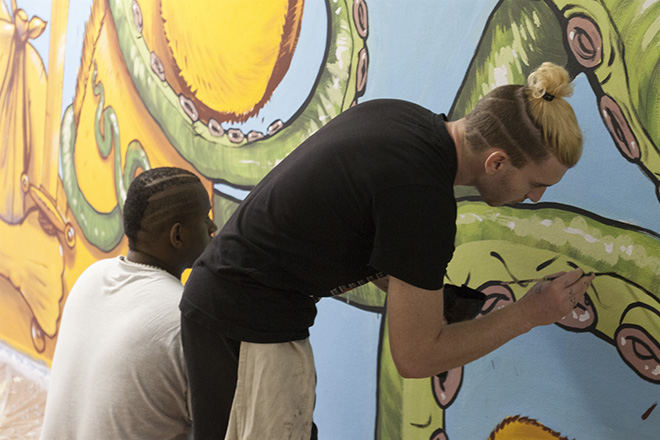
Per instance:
{"type": "Point", "coordinates": [415, 229]}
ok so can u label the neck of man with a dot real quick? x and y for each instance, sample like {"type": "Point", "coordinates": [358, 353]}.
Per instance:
{"type": "Point", "coordinates": [464, 157]}
{"type": "Point", "coordinates": [142, 257]}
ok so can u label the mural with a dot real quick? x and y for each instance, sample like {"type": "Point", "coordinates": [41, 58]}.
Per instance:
{"type": "Point", "coordinates": [140, 103]}
{"type": "Point", "coordinates": [94, 91]}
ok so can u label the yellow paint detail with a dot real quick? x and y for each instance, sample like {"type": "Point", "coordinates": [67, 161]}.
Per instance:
{"type": "Point", "coordinates": [515, 428]}
{"type": "Point", "coordinates": [22, 94]}
{"type": "Point", "coordinates": [227, 56]}
{"type": "Point", "coordinates": [233, 76]}
{"type": "Point", "coordinates": [53, 106]}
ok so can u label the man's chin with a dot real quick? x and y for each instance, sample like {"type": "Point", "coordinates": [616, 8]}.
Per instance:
{"type": "Point", "coordinates": [496, 201]}
{"type": "Point", "coordinates": [496, 204]}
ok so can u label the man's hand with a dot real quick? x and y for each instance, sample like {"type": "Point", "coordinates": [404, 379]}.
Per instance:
{"type": "Point", "coordinates": [549, 301]}
{"type": "Point", "coordinates": [422, 345]}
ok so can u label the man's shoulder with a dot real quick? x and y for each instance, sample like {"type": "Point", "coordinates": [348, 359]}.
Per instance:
{"type": "Point", "coordinates": [391, 105]}
{"type": "Point", "coordinates": [103, 263]}
{"type": "Point", "coordinates": [98, 267]}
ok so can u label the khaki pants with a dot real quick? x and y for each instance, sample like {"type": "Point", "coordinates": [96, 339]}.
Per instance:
{"type": "Point", "coordinates": [275, 392]}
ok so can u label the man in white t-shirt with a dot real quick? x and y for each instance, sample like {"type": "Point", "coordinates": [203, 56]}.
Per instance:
{"type": "Point", "coordinates": [118, 368]}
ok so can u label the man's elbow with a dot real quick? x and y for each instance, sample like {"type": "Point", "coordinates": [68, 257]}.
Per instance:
{"type": "Point", "coordinates": [411, 368]}
{"type": "Point", "coordinates": [410, 373]}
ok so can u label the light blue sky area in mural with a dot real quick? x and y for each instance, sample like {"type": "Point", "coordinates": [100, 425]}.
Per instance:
{"type": "Point", "coordinates": [604, 182]}
{"type": "Point", "coordinates": [573, 383]}
{"type": "Point", "coordinates": [421, 52]}
{"type": "Point", "coordinates": [79, 11]}
{"type": "Point", "coordinates": [40, 8]}
{"type": "Point", "coordinates": [345, 343]}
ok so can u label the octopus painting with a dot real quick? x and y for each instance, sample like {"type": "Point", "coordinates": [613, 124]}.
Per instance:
{"type": "Point", "coordinates": [228, 89]}
{"type": "Point", "coordinates": [141, 101]}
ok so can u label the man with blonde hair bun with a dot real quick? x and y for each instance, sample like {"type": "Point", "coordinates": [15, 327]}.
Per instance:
{"type": "Point", "coordinates": [368, 198]}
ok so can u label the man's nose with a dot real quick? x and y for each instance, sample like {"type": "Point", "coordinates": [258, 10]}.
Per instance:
{"type": "Point", "coordinates": [212, 227]}
{"type": "Point", "coordinates": [536, 194]}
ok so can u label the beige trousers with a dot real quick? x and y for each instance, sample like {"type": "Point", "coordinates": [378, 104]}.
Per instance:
{"type": "Point", "coordinates": [275, 392]}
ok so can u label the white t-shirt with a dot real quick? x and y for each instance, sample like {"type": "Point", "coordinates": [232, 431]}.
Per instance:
{"type": "Point", "coordinates": [118, 369]}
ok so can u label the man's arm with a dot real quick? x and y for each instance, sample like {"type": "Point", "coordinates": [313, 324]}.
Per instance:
{"type": "Point", "coordinates": [422, 346]}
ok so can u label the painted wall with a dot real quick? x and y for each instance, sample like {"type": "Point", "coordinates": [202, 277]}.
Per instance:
{"type": "Point", "coordinates": [94, 91]}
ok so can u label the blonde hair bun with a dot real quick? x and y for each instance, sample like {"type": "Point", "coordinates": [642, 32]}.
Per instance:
{"type": "Point", "coordinates": [546, 87]}
{"type": "Point", "coordinates": [549, 78]}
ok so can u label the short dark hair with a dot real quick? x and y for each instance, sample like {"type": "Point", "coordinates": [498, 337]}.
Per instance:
{"type": "Point", "coordinates": [156, 199]}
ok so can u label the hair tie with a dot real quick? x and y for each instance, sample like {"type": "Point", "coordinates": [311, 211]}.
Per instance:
{"type": "Point", "coordinates": [548, 97]}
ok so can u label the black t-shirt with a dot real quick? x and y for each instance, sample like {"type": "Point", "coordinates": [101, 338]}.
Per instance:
{"type": "Point", "coordinates": [370, 194]}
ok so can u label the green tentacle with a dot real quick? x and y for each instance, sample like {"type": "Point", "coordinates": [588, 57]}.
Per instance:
{"type": "Point", "coordinates": [244, 163]}
{"type": "Point", "coordinates": [518, 37]}
{"type": "Point", "coordinates": [604, 245]}
{"type": "Point", "coordinates": [135, 155]}
{"type": "Point", "coordinates": [103, 230]}
{"type": "Point", "coordinates": [628, 72]}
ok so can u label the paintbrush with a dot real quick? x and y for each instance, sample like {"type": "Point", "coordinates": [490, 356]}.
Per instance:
{"type": "Point", "coordinates": [530, 280]}
{"type": "Point", "coordinates": [537, 280]}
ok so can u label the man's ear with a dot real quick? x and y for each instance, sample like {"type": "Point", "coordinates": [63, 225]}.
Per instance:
{"type": "Point", "coordinates": [494, 161]}
{"type": "Point", "coordinates": [176, 239]}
